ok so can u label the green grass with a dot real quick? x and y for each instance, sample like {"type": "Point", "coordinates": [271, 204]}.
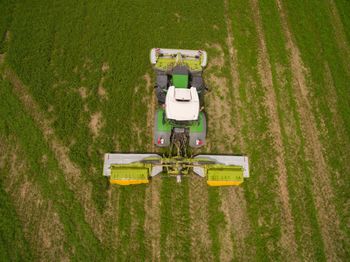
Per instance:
{"type": "Point", "coordinates": [216, 221]}
{"type": "Point", "coordinates": [13, 244]}
{"type": "Point", "coordinates": [59, 48]}
{"type": "Point", "coordinates": [298, 168]}
{"type": "Point", "coordinates": [343, 8]}
{"type": "Point", "coordinates": [81, 242]}
{"type": "Point", "coordinates": [318, 46]}
{"type": "Point", "coordinates": [260, 190]}
{"type": "Point", "coordinates": [175, 221]}
{"type": "Point", "coordinates": [131, 239]}
{"type": "Point", "coordinates": [6, 7]}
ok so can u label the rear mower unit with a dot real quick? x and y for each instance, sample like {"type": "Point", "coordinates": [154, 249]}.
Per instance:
{"type": "Point", "coordinates": [179, 125]}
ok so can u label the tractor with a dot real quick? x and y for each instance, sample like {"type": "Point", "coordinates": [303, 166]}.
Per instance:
{"type": "Point", "coordinates": [180, 128]}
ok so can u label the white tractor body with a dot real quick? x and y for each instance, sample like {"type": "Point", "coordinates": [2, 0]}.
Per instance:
{"type": "Point", "coordinates": [182, 104]}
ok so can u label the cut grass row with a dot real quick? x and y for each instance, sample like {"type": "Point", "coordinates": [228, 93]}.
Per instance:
{"type": "Point", "coordinates": [317, 41]}
{"type": "Point", "coordinates": [260, 190]}
{"type": "Point", "coordinates": [131, 234]}
{"type": "Point", "coordinates": [175, 221]}
{"type": "Point", "coordinates": [298, 168]}
{"type": "Point", "coordinates": [331, 103]}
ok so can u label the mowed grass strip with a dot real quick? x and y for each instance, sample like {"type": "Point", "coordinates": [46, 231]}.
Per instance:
{"type": "Point", "coordinates": [260, 190]}
{"type": "Point", "coordinates": [220, 140]}
{"type": "Point", "coordinates": [175, 241]}
{"type": "Point", "coordinates": [131, 235]}
{"type": "Point", "coordinates": [329, 99]}
{"type": "Point", "coordinates": [216, 221]}
{"type": "Point", "coordinates": [287, 241]}
{"type": "Point", "coordinates": [199, 219]}
{"type": "Point", "coordinates": [307, 231]}
{"type": "Point", "coordinates": [80, 243]}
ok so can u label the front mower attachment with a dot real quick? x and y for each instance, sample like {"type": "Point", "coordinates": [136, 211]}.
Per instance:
{"type": "Point", "coordinates": [165, 59]}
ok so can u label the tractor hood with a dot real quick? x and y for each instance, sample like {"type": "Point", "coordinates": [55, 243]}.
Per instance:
{"type": "Point", "coordinates": [182, 104]}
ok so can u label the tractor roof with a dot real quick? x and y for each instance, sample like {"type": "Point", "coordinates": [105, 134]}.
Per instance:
{"type": "Point", "coordinates": [182, 104]}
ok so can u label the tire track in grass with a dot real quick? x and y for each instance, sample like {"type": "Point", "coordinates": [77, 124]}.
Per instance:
{"type": "Point", "coordinates": [152, 194]}
{"type": "Point", "coordinates": [339, 124]}
{"type": "Point", "coordinates": [218, 110]}
{"type": "Point", "coordinates": [232, 201]}
{"type": "Point", "coordinates": [261, 190]}
{"type": "Point", "coordinates": [235, 200]}
{"type": "Point", "coordinates": [137, 246]}
{"type": "Point", "coordinates": [342, 159]}
{"type": "Point", "coordinates": [175, 220]}
{"type": "Point", "coordinates": [264, 68]}
{"type": "Point", "coordinates": [72, 173]}
{"type": "Point", "coordinates": [199, 216]}
{"type": "Point", "coordinates": [234, 207]}
{"type": "Point", "coordinates": [323, 193]}
{"type": "Point", "coordinates": [137, 224]}
{"type": "Point", "coordinates": [222, 138]}
{"type": "Point", "coordinates": [152, 219]}
{"type": "Point", "coordinates": [319, 49]}
{"type": "Point", "coordinates": [307, 231]}
{"type": "Point", "coordinates": [131, 244]}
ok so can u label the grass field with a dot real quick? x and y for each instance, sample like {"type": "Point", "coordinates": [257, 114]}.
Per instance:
{"type": "Point", "coordinates": [76, 83]}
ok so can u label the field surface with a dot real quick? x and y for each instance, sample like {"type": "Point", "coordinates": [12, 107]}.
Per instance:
{"type": "Point", "coordinates": [76, 82]}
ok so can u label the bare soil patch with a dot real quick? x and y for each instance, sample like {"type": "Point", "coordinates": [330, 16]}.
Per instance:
{"type": "Point", "coordinates": [288, 242]}
{"type": "Point", "coordinates": [83, 92]}
{"type": "Point", "coordinates": [96, 123]}
{"type": "Point", "coordinates": [215, 27]}
{"type": "Point", "coordinates": [105, 67]}
{"type": "Point", "coordinates": [101, 90]}
{"type": "Point", "coordinates": [178, 17]}
{"type": "Point", "coordinates": [327, 216]}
